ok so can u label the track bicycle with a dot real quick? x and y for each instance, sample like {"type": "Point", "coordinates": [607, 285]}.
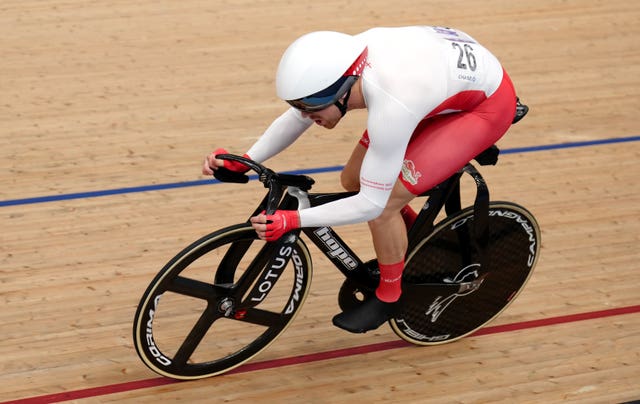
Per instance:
{"type": "Point", "coordinates": [227, 296]}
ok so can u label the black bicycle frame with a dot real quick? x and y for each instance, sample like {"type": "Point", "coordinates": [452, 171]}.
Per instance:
{"type": "Point", "coordinates": [446, 195]}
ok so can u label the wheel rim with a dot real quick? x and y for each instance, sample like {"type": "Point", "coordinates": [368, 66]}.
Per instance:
{"type": "Point", "coordinates": [231, 336]}
{"type": "Point", "coordinates": [439, 315]}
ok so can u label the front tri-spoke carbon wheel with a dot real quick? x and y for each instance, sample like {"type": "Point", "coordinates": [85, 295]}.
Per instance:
{"type": "Point", "coordinates": [218, 303]}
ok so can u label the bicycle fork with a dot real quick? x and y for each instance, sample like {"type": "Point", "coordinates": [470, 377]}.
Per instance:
{"type": "Point", "coordinates": [280, 253]}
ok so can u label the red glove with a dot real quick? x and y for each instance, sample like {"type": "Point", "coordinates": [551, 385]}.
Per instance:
{"type": "Point", "coordinates": [235, 166]}
{"type": "Point", "coordinates": [281, 222]}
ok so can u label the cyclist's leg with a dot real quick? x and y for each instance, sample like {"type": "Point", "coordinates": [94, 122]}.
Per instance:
{"type": "Point", "coordinates": [440, 146]}
{"type": "Point", "coordinates": [388, 229]}
{"type": "Point", "coordinates": [390, 242]}
{"type": "Point", "coordinates": [443, 144]}
{"type": "Point", "coordinates": [350, 177]}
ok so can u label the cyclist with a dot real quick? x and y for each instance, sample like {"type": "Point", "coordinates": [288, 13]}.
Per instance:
{"type": "Point", "coordinates": [435, 99]}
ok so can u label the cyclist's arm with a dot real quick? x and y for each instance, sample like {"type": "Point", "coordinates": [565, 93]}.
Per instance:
{"type": "Point", "coordinates": [282, 132]}
{"type": "Point", "coordinates": [390, 129]}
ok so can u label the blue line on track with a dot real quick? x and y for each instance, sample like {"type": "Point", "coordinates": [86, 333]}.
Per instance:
{"type": "Point", "coordinates": [158, 187]}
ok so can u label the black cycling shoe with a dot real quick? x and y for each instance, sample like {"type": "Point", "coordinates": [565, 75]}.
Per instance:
{"type": "Point", "coordinates": [369, 315]}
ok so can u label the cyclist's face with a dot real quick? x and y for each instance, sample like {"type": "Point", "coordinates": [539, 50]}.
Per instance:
{"type": "Point", "coordinates": [328, 117]}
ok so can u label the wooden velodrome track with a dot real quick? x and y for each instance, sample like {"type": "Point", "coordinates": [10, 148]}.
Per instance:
{"type": "Point", "coordinates": [121, 95]}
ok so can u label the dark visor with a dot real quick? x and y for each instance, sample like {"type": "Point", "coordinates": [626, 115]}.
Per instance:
{"type": "Point", "coordinates": [324, 98]}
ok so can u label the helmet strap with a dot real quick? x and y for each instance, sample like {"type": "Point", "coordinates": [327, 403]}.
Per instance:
{"type": "Point", "coordinates": [342, 106]}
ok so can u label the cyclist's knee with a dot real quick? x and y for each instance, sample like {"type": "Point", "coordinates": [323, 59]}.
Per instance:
{"type": "Point", "coordinates": [387, 214]}
{"type": "Point", "coordinates": [349, 182]}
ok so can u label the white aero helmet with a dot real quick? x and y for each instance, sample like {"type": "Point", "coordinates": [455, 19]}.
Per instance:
{"type": "Point", "coordinates": [318, 69]}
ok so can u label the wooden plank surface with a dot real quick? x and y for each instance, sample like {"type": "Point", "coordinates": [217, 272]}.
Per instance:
{"type": "Point", "coordinates": [120, 95]}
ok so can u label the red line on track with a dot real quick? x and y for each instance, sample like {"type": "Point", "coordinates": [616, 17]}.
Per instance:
{"type": "Point", "coordinates": [320, 356]}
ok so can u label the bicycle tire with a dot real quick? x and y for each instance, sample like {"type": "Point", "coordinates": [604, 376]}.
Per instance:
{"type": "Point", "coordinates": [195, 295]}
{"type": "Point", "coordinates": [439, 313]}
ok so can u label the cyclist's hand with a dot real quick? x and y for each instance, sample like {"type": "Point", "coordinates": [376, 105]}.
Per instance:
{"type": "Point", "coordinates": [272, 227]}
{"type": "Point", "coordinates": [212, 163]}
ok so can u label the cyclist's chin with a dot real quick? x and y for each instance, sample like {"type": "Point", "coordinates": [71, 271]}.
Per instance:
{"type": "Point", "coordinates": [326, 124]}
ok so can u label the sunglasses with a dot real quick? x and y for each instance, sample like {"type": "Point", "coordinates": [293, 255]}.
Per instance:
{"type": "Point", "coordinates": [324, 98]}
